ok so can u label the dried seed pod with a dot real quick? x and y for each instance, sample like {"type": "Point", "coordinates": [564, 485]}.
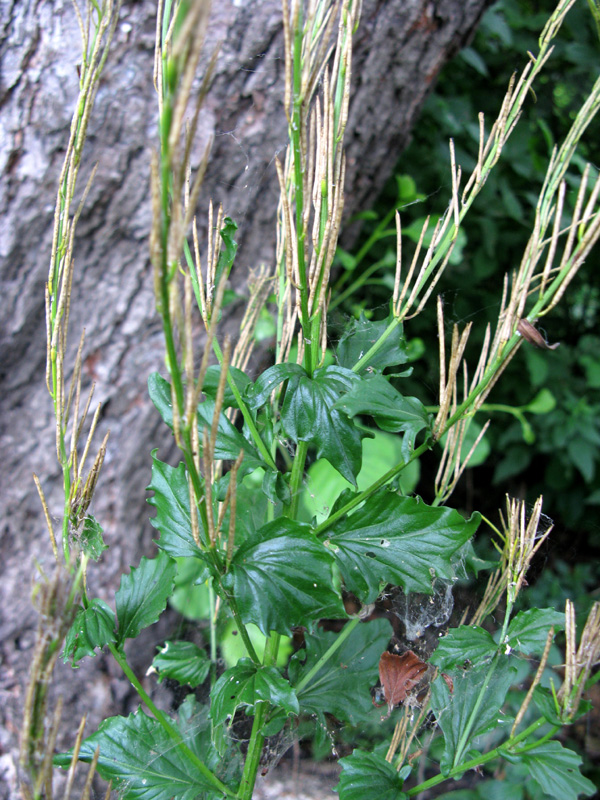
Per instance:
{"type": "Point", "coordinates": [533, 336]}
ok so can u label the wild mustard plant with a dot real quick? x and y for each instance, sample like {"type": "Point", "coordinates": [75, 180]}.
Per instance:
{"type": "Point", "coordinates": [232, 507]}
{"type": "Point", "coordinates": [57, 598]}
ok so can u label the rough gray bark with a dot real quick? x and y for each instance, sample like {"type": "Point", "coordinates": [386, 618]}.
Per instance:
{"type": "Point", "coordinates": [400, 48]}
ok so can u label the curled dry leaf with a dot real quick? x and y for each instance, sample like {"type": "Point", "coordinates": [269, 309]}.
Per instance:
{"type": "Point", "coordinates": [533, 336]}
{"type": "Point", "coordinates": [398, 675]}
{"type": "Point", "coordinates": [449, 682]}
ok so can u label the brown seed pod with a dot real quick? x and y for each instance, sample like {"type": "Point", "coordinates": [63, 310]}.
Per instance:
{"type": "Point", "coordinates": [531, 334]}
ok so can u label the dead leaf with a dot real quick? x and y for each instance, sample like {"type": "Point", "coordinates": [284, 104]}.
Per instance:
{"type": "Point", "coordinates": [399, 674]}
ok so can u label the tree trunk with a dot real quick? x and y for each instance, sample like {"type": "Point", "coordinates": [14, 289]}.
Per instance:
{"type": "Point", "coordinates": [400, 48]}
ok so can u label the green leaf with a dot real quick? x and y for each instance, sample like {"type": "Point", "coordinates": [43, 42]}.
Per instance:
{"type": "Point", "coordinates": [467, 643]}
{"type": "Point", "coordinates": [233, 649]}
{"type": "Point", "coordinates": [143, 761]}
{"type": "Point", "coordinates": [191, 594]}
{"type": "Point", "coordinates": [474, 60]}
{"type": "Point", "coordinates": [182, 661]}
{"type": "Point", "coordinates": [275, 487]}
{"type": "Point", "coordinates": [211, 383]}
{"type": "Point", "coordinates": [309, 415]}
{"type": "Point", "coordinates": [473, 705]}
{"type": "Point", "coordinates": [245, 685]}
{"type": "Point", "coordinates": [92, 627]}
{"type": "Point", "coordinates": [341, 686]}
{"type": "Point", "coordinates": [346, 259]}
{"type": "Point", "coordinates": [324, 484]}
{"type": "Point", "coordinates": [172, 502]}
{"type": "Point", "coordinates": [142, 595]}
{"type": "Point", "coordinates": [252, 506]}
{"type": "Point", "coordinates": [362, 336]}
{"type": "Point", "coordinates": [583, 454]}
{"type": "Point", "coordinates": [159, 390]}
{"type": "Point", "coordinates": [542, 403]}
{"type": "Point", "coordinates": [399, 540]}
{"type": "Point", "coordinates": [556, 770]}
{"type": "Point", "coordinates": [368, 775]}
{"type": "Point", "coordinates": [282, 577]}
{"type": "Point", "coordinates": [391, 411]}
{"type": "Point", "coordinates": [91, 540]}
{"type": "Point", "coordinates": [528, 630]}
{"type": "Point", "coordinates": [227, 255]}
{"type": "Point", "coordinates": [259, 394]}
{"type": "Point", "coordinates": [545, 703]}
{"type": "Point", "coordinates": [229, 440]}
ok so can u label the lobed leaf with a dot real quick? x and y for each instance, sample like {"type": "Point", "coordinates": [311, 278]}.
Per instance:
{"type": "Point", "coordinates": [399, 540]}
{"type": "Point", "coordinates": [142, 595]}
{"type": "Point", "coordinates": [229, 440]}
{"type": "Point", "coordinates": [282, 577]}
{"type": "Point", "coordinates": [211, 382]}
{"type": "Point", "coordinates": [159, 391]}
{"type": "Point", "coordinates": [362, 336]}
{"type": "Point", "coordinates": [91, 540]}
{"type": "Point", "coordinates": [258, 394]}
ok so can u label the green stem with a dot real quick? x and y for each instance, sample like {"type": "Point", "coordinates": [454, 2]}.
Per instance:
{"type": "Point", "coordinates": [67, 507]}
{"type": "Point", "coordinates": [295, 134]}
{"type": "Point", "coordinates": [168, 725]}
{"type": "Point", "coordinates": [364, 361]}
{"type": "Point", "coordinates": [362, 496]}
{"type": "Point", "coordinates": [345, 633]}
{"type": "Point", "coordinates": [296, 478]}
{"type": "Point", "coordinates": [466, 732]}
{"type": "Point", "coordinates": [480, 760]}
{"type": "Point", "coordinates": [213, 633]}
{"type": "Point", "coordinates": [272, 649]}
{"type": "Point", "coordinates": [358, 283]}
{"type": "Point", "coordinates": [466, 203]}
{"type": "Point", "coordinates": [489, 374]}
{"type": "Point", "coordinates": [255, 747]}
{"type": "Point", "coordinates": [241, 627]}
{"type": "Point", "coordinates": [248, 419]}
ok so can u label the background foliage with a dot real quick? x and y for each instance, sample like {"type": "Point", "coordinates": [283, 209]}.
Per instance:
{"type": "Point", "coordinates": [545, 434]}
